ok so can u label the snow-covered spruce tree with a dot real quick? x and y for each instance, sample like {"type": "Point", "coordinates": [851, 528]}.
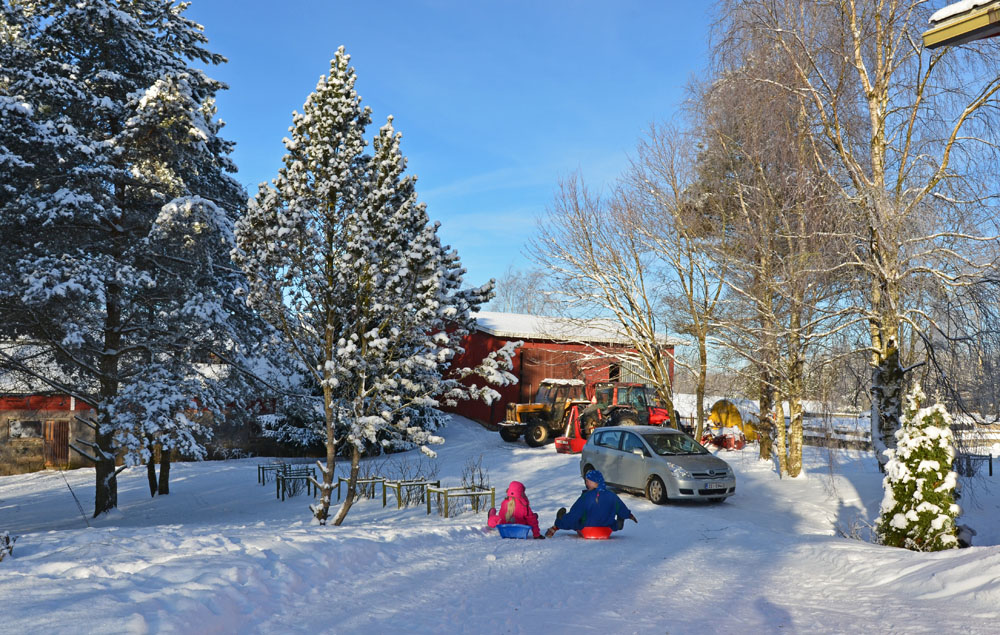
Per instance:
{"type": "Point", "coordinates": [343, 259]}
{"type": "Point", "coordinates": [116, 209]}
{"type": "Point", "coordinates": [919, 510]}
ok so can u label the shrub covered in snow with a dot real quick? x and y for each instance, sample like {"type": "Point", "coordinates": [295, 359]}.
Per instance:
{"type": "Point", "coordinates": [919, 510]}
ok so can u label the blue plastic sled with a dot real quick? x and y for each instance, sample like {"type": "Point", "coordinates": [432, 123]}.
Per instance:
{"type": "Point", "coordinates": [514, 531]}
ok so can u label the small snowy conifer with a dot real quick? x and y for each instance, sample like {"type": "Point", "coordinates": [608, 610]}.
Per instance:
{"type": "Point", "coordinates": [919, 510]}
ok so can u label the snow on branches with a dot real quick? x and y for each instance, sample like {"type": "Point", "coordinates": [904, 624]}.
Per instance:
{"type": "Point", "coordinates": [494, 369]}
{"type": "Point", "coordinates": [918, 511]}
{"type": "Point", "coordinates": [116, 205]}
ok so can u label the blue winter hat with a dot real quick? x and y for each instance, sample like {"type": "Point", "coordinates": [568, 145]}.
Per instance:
{"type": "Point", "coordinates": [595, 476]}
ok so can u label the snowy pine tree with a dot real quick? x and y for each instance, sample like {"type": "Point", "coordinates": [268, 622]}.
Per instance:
{"type": "Point", "coordinates": [116, 207]}
{"type": "Point", "coordinates": [343, 259]}
{"type": "Point", "coordinates": [918, 511]}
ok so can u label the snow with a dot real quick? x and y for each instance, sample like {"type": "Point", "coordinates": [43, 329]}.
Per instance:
{"type": "Point", "coordinates": [523, 326]}
{"type": "Point", "coordinates": [957, 8]}
{"type": "Point", "coordinates": [221, 554]}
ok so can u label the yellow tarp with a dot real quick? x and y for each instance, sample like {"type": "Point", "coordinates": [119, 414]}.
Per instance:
{"type": "Point", "coordinates": [726, 415]}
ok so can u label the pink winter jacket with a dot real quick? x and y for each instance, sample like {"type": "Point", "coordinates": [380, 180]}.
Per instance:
{"type": "Point", "coordinates": [515, 509]}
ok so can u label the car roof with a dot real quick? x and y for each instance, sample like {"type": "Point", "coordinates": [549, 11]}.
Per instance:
{"type": "Point", "coordinates": [642, 429]}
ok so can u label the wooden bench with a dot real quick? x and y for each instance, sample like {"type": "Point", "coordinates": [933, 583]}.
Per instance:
{"type": "Point", "coordinates": [472, 493]}
{"type": "Point", "coordinates": [399, 486]}
{"type": "Point", "coordinates": [289, 475]}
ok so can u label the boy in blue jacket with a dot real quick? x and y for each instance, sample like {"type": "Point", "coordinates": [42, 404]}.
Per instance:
{"type": "Point", "coordinates": [596, 507]}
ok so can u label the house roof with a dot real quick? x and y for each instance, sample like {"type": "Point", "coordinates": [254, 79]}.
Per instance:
{"type": "Point", "coordinates": [537, 327]}
{"type": "Point", "coordinates": [956, 8]}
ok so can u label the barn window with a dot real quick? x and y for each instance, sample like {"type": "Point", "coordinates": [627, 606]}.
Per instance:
{"type": "Point", "coordinates": [20, 429]}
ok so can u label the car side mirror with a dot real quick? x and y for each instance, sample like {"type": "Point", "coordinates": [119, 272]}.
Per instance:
{"type": "Point", "coordinates": [639, 451]}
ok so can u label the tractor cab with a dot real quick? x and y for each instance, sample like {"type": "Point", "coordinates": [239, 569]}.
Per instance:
{"type": "Point", "coordinates": [613, 404]}
{"type": "Point", "coordinates": [639, 400]}
{"type": "Point", "coordinates": [546, 416]}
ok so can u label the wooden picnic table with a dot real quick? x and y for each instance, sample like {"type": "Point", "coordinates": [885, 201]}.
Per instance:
{"type": "Point", "coordinates": [398, 486]}
{"type": "Point", "coordinates": [264, 468]}
{"type": "Point", "coordinates": [473, 493]}
{"type": "Point", "coordinates": [291, 475]}
{"type": "Point", "coordinates": [361, 481]}
{"type": "Point", "coordinates": [979, 458]}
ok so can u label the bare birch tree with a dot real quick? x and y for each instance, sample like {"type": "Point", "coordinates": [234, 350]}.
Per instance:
{"type": "Point", "coordinates": [601, 268]}
{"type": "Point", "coordinates": [523, 291]}
{"type": "Point", "coordinates": [679, 237]}
{"type": "Point", "coordinates": [757, 170]}
{"type": "Point", "coordinates": [905, 136]}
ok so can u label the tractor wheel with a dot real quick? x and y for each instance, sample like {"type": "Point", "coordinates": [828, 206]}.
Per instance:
{"type": "Point", "coordinates": [538, 435]}
{"type": "Point", "coordinates": [588, 425]}
{"type": "Point", "coordinates": [626, 419]}
{"type": "Point", "coordinates": [509, 435]}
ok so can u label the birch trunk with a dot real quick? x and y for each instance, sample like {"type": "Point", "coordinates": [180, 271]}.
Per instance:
{"type": "Point", "coordinates": [781, 442]}
{"type": "Point", "coordinates": [700, 390]}
{"type": "Point", "coordinates": [766, 428]}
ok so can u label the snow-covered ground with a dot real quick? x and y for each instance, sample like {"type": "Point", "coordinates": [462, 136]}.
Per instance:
{"type": "Point", "coordinates": [221, 555]}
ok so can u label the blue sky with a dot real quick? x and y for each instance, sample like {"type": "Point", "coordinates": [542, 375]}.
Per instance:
{"type": "Point", "coordinates": [496, 100]}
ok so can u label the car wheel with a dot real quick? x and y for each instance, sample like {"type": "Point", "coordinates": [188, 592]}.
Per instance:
{"type": "Point", "coordinates": [656, 491]}
{"type": "Point", "coordinates": [538, 435]}
{"type": "Point", "coordinates": [509, 435]}
{"type": "Point", "coordinates": [587, 468]}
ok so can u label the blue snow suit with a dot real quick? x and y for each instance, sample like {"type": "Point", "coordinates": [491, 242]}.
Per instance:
{"type": "Point", "coordinates": [598, 507]}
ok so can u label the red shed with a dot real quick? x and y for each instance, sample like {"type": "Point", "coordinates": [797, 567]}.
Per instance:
{"type": "Point", "coordinates": [557, 348]}
{"type": "Point", "coordinates": [36, 430]}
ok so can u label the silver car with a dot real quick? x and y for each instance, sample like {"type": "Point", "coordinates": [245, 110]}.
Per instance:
{"type": "Point", "coordinates": [663, 463]}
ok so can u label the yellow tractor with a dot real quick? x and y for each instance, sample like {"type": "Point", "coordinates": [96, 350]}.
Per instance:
{"type": "Point", "coordinates": [546, 416]}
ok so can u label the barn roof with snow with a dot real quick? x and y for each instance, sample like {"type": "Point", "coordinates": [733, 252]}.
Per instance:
{"type": "Point", "coordinates": [537, 327]}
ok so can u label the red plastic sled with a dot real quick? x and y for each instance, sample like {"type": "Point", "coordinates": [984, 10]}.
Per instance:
{"type": "Point", "coordinates": [596, 533]}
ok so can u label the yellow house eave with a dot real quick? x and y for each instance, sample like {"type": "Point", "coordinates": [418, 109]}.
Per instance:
{"type": "Point", "coordinates": [977, 24]}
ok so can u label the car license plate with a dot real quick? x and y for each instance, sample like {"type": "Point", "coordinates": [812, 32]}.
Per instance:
{"type": "Point", "coordinates": [715, 486]}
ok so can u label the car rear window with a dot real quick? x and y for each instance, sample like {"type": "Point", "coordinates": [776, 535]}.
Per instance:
{"type": "Point", "coordinates": [665, 444]}
{"type": "Point", "coordinates": [631, 442]}
{"type": "Point", "coordinates": [608, 439]}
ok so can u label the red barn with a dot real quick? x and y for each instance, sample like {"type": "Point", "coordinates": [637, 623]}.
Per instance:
{"type": "Point", "coordinates": [557, 348]}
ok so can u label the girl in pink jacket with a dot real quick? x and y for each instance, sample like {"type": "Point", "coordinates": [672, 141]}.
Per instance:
{"type": "Point", "coordinates": [515, 509]}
